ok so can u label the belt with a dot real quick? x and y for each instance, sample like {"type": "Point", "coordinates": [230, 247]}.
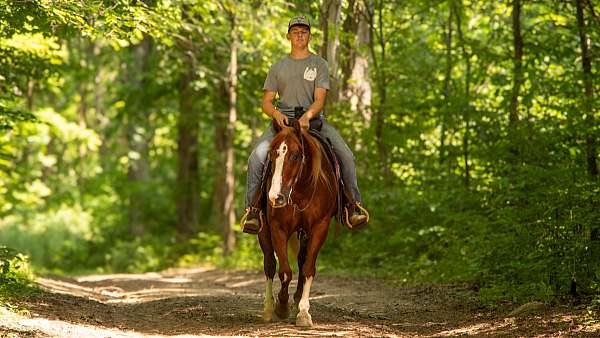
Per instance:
{"type": "Point", "coordinates": [295, 112]}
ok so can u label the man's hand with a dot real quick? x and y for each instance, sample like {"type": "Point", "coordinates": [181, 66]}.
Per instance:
{"type": "Point", "coordinates": [281, 118]}
{"type": "Point", "coordinates": [304, 121]}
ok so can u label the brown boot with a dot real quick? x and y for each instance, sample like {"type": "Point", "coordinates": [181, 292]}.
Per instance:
{"type": "Point", "coordinates": [251, 221]}
{"type": "Point", "coordinates": [357, 216]}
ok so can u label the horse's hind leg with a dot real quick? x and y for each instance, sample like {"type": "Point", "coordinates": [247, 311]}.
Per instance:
{"type": "Point", "coordinates": [316, 240]}
{"type": "Point", "coordinates": [264, 238]}
{"type": "Point", "coordinates": [280, 239]}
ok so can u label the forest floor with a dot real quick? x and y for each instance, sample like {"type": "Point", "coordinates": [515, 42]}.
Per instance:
{"type": "Point", "coordinates": [213, 302]}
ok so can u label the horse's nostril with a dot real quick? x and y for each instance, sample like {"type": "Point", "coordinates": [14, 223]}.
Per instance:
{"type": "Point", "coordinates": [277, 201]}
{"type": "Point", "coordinates": [280, 199]}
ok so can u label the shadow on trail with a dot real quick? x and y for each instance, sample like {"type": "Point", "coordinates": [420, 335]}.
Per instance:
{"type": "Point", "coordinates": [190, 302]}
{"type": "Point", "coordinates": [215, 302]}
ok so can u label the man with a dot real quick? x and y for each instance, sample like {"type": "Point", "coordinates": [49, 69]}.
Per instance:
{"type": "Point", "coordinates": [301, 79]}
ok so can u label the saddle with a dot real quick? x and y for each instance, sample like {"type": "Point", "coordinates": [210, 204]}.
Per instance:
{"type": "Point", "coordinates": [344, 196]}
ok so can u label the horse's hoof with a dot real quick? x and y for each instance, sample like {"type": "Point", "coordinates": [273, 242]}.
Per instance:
{"type": "Point", "coordinates": [282, 311]}
{"type": "Point", "coordinates": [304, 320]}
{"type": "Point", "coordinates": [268, 310]}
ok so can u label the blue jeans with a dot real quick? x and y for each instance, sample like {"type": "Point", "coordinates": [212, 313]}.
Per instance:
{"type": "Point", "coordinates": [256, 161]}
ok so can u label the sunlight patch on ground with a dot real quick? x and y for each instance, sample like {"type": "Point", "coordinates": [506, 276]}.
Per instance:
{"type": "Point", "coordinates": [63, 329]}
{"type": "Point", "coordinates": [245, 283]}
{"type": "Point", "coordinates": [351, 329]}
{"type": "Point", "coordinates": [480, 328]}
{"type": "Point", "coordinates": [326, 296]}
{"type": "Point", "coordinates": [113, 294]}
{"type": "Point", "coordinates": [163, 293]}
{"type": "Point", "coordinates": [69, 288]}
{"type": "Point", "coordinates": [149, 276]}
{"type": "Point", "coordinates": [55, 328]}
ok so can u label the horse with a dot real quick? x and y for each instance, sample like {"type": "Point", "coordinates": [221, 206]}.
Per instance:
{"type": "Point", "coordinates": [302, 192]}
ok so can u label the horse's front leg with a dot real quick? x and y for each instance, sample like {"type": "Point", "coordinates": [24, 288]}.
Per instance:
{"type": "Point", "coordinates": [280, 239]}
{"type": "Point", "coordinates": [264, 238]}
{"type": "Point", "coordinates": [315, 241]}
{"type": "Point", "coordinates": [301, 260]}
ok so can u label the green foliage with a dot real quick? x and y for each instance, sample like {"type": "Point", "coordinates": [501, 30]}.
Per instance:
{"type": "Point", "coordinates": [15, 276]}
{"type": "Point", "coordinates": [9, 117]}
{"type": "Point", "coordinates": [458, 194]}
{"type": "Point", "coordinates": [138, 255]}
{"type": "Point", "coordinates": [9, 259]}
{"type": "Point", "coordinates": [58, 239]}
{"type": "Point", "coordinates": [206, 248]}
{"type": "Point", "coordinates": [550, 236]}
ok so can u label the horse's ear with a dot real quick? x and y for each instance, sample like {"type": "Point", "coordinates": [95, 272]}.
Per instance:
{"type": "Point", "coordinates": [276, 126]}
{"type": "Point", "coordinates": [297, 127]}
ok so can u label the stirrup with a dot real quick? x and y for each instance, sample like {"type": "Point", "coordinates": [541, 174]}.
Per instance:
{"type": "Point", "coordinates": [261, 219]}
{"type": "Point", "coordinates": [347, 216]}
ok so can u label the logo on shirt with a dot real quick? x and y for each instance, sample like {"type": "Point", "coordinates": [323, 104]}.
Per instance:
{"type": "Point", "coordinates": [310, 74]}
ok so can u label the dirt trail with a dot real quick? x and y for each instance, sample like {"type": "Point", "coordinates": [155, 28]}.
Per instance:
{"type": "Point", "coordinates": [210, 302]}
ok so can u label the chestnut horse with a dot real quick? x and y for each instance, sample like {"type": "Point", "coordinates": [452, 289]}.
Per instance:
{"type": "Point", "coordinates": [302, 193]}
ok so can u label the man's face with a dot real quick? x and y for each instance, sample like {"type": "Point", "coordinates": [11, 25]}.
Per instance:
{"type": "Point", "coordinates": [299, 36]}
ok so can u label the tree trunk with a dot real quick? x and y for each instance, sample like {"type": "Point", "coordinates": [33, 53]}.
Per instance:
{"type": "Point", "coordinates": [381, 80]}
{"type": "Point", "coordinates": [85, 53]}
{"type": "Point", "coordinates": [188, 179]}
{"type": "Point", "coordinates": [514, 136]}
{"type": "Point", "coordinates": [330, 26]}
{"type": "Point", "coordinates": [29, 94]}
{"type": "Point", "coordinates": [188, 185]}
{"type": "Point", "coordinates": [447, 87]}
{"type": "Point", "coordinates": [518, 64]}
{"type": "Point", "coordinates": [356, 85]}
{"type": "Point", "coordinates": [138, 135]}
{"type": "Point", "coordinates": [467, 99]}
{"type": "Point", "coordinates": [225, 118]}
{"type": "Point", "coordinates": [82, 112]}
{"type": "Point", "coordinates": [586, 61]}
{"type": "Point", "coordinates": [228, 203]}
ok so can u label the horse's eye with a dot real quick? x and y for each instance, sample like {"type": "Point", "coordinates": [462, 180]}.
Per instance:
{"type": "Point", "coordinates": [295, 157]}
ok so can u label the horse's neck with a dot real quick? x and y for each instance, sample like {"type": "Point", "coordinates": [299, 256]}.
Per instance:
{"type": "Point", "coordinates": [325, 166]}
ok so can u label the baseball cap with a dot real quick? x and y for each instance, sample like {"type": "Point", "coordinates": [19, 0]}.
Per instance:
{"type": "Point", "coordinates": [299, 20]}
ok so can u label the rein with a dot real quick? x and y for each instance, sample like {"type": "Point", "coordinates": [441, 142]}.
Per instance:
{"type": "Point", "coordinates": [290, 201]}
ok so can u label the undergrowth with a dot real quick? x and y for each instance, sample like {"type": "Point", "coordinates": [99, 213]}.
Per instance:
{"type": "Point", "coordinates": [16, 278]}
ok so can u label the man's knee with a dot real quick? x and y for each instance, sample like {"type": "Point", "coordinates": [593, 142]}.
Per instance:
{"type": "Point", "coordinates": [341, 149]}
{"type": "Point", "coordinates": [344, 155]}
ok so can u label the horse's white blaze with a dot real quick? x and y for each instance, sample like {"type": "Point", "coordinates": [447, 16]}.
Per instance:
{"type": "Point", "coordinates": [304, 305]}
{"type": "Point", "coordinates": [277, 176]}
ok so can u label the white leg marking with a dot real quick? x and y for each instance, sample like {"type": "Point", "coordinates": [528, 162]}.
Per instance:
{"type": "Point", "coordinates": [268, 302]}
{"type": "Point", "coordinates": [304, 318]}
{"type": "Point", "coordinates": [277, 176]}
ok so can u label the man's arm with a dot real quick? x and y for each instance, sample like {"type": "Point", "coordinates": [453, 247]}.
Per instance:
{"type": "Point", "coordinates": [269, 109]}
{"type": "Point", "coordinates": [315, 108]}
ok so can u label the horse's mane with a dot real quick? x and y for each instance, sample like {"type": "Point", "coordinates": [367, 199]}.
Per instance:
{"type": "Point", "coordinates": [316, 171]}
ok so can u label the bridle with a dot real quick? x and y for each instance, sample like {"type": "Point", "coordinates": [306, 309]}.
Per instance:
{"type": "Point", "coordinates": [299, 173]}
{"type": "Point", "coordinates": [290, 201]}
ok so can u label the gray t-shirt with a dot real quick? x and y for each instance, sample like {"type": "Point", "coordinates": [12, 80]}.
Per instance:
{"type": "Point", "coordinates": [295, 80]}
